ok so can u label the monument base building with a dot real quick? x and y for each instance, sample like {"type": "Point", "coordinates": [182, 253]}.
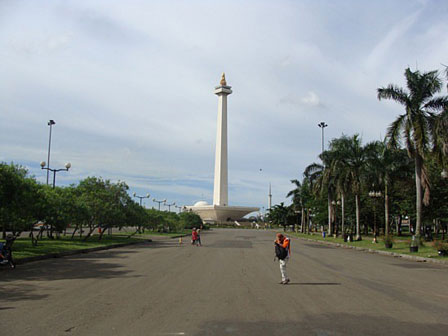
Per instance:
{"type": "Point", "coordinates": [220, 213]}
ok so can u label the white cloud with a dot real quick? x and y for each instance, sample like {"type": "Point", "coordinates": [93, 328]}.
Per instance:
{"type": "Point", "coordinates": [311, 99]}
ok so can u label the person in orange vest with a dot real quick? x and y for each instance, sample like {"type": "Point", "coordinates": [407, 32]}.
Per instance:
{"type": "Point", "coordinates": [282, 252]}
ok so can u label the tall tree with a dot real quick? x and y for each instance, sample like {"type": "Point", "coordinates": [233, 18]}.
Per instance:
{"type": "Point", "coordinates": [297, 200]}
{"type": "Point", "coordinates": [383, 166]}
{"type": "Point", "coordinates": [414, 124]}
{"type": "Point", "coordinates": [17, 198]}
{"type": "Point", "coordinates": [300, 199]}
{"type": "Point", "coordinates": [321, 178]}
{"type": "Point", "coordinates": [349, 160]}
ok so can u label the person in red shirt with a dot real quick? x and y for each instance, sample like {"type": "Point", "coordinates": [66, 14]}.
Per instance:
{"type": "Point", "coordinates": [194, 237]}
{"type": "Point", "coordinates": [285, 243]}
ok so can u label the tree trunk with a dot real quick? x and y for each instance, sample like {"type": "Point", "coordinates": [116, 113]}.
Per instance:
{"type": "Point", "coordinates": [358, 233]}
{"type": "Point", "coordinates": [329, 214]}
{"type": "Point", "coordinates": [418, 185]}
{"type": "Point", "coordinates": [342, 214]}
{"type": "Point", "coordinates": [91, 230]}
{"type": "Point", "coordinates": [103, 229]}
{"type": "Point", "coordinates": [41, 233]}
{"type": "Point", "coordinates": [33, 240]}
{"type": "Point", "coordinates": [302, 228]}
{"type": "Point", "coordinates": [74, 231]}
{"type": "Point", "coordinates": [308, 222]}
{"type": "Point", "coordinates": [386, 211]}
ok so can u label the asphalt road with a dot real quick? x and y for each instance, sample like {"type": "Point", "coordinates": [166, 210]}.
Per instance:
{"type": "Point", "coordinates": [230, 286]}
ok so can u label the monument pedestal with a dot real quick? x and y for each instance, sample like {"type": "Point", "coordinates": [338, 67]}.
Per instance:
{"type": "Point", "coordinates": [220, 213]}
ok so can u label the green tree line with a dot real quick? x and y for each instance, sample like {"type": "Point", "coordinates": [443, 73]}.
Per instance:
{"type": "Point", "coordinates": [93, 205]}
{"type": "Point", "coordinates": [360, 188]}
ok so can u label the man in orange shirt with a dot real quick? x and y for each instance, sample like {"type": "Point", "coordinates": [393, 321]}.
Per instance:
{"type": "Point", "coordinates": [283, 250]}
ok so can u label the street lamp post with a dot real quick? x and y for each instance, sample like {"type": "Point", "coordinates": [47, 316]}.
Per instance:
{"type": "Point", "coordinates": [179, 207]}
{"type": "Point", "coordinates": [157, 201]}
{"type": "Point", "coordinates": [335, 227]}
{"type": "Point", "coordinates": [141, 197]}
{"type": "Point", "coordinates": [375, 195]}
{"type": "Point", "coordinates": [50, 123]}
{"type": "Point", "coordinates": [67, 167]}
{"type": "Point", "coordinates": [169, 205]}
{"type": "Point", "coordinates": [322, 125]}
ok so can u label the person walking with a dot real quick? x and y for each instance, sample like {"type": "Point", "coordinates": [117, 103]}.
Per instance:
{"type": "Point", "coordinates": [194, 237]}
{"type": "Point", "coordinates": [282, 252]}
{"type": "Point", "coordinates": [198, 237]}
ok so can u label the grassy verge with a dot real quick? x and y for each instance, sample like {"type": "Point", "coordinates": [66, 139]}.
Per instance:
{"type": "Point", "coordinates": [23, 248]}
{"type": "Point", "coordinates": [154, 233]}
{"type": "Point", "coordinates": [401, 245]}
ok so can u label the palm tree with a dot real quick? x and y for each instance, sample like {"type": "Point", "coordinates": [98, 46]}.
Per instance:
{"type": "Point", "coordinates": [278, 214]}
{"type": "Point", "coordinates": [321, 178]}
{"type": "Point", "coordinates": [383, 165]}
{"type": "Point", "coordinates": [342, 182]}
{"type": "Point", "coordinates": [297, 199]}
{"type": "Point", "coordinates": [414, 124]}
{"type": "Point", "coordinates": [348, 166]}
{"type": "Point", "coordinates": [300, 198]}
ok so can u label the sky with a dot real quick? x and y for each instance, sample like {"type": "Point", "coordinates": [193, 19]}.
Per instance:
{"type": "Point", "coordinates": [130, 86]}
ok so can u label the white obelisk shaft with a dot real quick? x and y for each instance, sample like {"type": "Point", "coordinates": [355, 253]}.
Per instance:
{"type": "Point", "coordinates": [220, 191]}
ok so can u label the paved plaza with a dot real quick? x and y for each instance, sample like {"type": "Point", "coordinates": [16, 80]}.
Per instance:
{"type": "Point", "coordinates": [230, 286]}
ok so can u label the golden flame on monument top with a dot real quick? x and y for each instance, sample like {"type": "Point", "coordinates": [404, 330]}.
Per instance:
{"type": "Point", "coordinates": [223, 80]}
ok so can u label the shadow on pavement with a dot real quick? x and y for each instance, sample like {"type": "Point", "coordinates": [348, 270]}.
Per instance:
{"type": "Point", "coordinates": [78, 266]}
{"type": "Point", "coordinates": [315, 283]}
{"type": "Point", "coordinates": [18, 293]}
{"type": "Point", "coordinates": [322, 325]}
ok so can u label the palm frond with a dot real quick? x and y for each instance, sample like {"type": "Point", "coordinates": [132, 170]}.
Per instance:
{"type": "Point", "coordinates": [421, 133]}
{"type": "Point", "coordinates": [437, 104]}
{"type": "Point", "coordinates": [395, 93]}
{"type": "Point", "coordinates": [312, 168]}
{"type": "Point", "coordinates": [394, 132]}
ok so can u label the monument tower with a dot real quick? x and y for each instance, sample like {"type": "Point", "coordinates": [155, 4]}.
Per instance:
{"type": "Point", "coordinates": [220, 209]}
{"type": "Point", "coordinates": [220, 191]}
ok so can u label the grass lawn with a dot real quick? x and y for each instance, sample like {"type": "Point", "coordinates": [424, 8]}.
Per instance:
{"type": "Point", "coordinates": [401, 245]}
{"type": "Point", "coordinates": [153, 233]}
{"type": "Point", "coordinates": [23, 248]}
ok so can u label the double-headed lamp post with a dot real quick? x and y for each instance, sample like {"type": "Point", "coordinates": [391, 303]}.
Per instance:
{"type": "Point", "coordinates": [322, 125]}
{"type": "Point", "coordinates": [159, 201]}
{"type": "Point", "coordinates": [51, 122]}
{"type": "Point", "coordinates": [179, 207]}
{"type": "Point", "coordinates": [141, 197]}
{"type": "Point", "coordinates": [68, 165]}
{"type": "Point", "coordinates": [375, 195]}
{"type": "Point", "coordinates": [169, 205]}
{"type": "Point", "coordinates": [335, 228]}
